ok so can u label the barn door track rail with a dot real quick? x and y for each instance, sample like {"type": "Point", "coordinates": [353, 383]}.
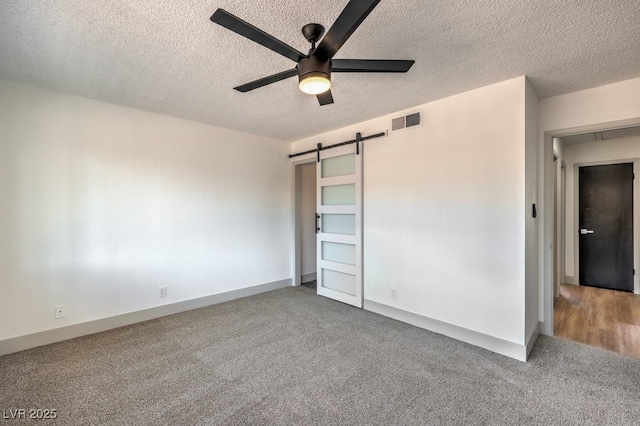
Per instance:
{"type": "Point", "coordinates": [359, 138]}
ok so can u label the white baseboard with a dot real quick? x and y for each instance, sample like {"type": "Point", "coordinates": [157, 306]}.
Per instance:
{"type": "Point", "coordinates": [494, 344]}
{"type": "Point", "coordinates": [20, 343]}
{"type": "Point", "coordinates": [308, 277]}
{"type": "Point", "coordinates": [532, 338]}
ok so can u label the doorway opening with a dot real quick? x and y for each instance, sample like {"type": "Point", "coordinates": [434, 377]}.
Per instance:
{"type": "Point", "coordinates": [327, 221]}
{"type": "Point", "coordinates": [594, 316]}
{"type": "Point", "coordinates": [304, 228]}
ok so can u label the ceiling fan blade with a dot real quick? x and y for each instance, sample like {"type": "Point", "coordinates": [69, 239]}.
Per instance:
{"type": "Point", "coordinates": [370, 65]}
{"type": "Point", "coordinates": [237, 25]}
{"type": "Point", "coordinates": [349, 20]}
{"type": "Point", "coordinates": [325, 98]}
{"type": "Point", "coordinates": [267, 80]}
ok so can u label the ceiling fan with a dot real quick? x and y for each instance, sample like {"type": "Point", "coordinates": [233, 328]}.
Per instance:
{"type": "Point", "coordinates": [314, 69]}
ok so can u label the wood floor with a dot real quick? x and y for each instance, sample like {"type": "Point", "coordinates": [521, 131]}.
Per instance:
{"type": "Point", "coordinates": [604, 318]}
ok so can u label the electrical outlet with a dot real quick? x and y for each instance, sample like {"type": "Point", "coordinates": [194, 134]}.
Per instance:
{"type": "Point", "coordinates": [163, 291]}
{"type": "Point", "coordinates": [394, 293]}
{"type": "Point", "coordinates": [59, 311]}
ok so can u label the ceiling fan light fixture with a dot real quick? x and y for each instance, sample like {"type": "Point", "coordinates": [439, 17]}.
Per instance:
{"type": "Point", "coordinates": [314, 69]}
{"type": "Point", "coordinates": [314, 83]}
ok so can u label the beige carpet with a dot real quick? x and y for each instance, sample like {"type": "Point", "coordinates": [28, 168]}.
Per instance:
{"type": "Point", "coordinates": [291, 357]}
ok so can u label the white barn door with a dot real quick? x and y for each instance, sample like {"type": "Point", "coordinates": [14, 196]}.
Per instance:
{"type": "Point", "coordinates": [339, 226]}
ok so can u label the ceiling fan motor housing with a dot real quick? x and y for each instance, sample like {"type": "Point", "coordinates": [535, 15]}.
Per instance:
{"type": "Point", "coordinates": [312, 66]}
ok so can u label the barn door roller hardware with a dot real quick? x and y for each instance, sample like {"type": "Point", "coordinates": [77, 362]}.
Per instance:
{"type": "Point", "coordinates": [359, 138]}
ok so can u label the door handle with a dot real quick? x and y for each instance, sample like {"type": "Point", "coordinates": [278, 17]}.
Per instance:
{"type": "Point", "coordinates": [584, 231]}
{"type": "Point", "coordinates": [317, 223]}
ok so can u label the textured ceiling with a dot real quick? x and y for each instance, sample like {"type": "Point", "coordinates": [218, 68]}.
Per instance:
{"type": "Point", "coordinates": [167, 57]}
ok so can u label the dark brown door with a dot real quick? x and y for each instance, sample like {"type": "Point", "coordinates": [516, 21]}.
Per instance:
{"type": "Point", "coordinates": [606, 226]}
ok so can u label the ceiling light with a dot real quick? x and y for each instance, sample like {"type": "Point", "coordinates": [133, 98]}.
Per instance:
{"type": "Point", "coordinates": [314, 83]}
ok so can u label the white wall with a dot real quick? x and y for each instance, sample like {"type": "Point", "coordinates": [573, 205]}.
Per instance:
{"type": "Point", "coordinates": [605, 107]}
{"type": "Point", "coordinates": [623, 150]}
{"type": "Point", "coordinates": [444, 210]}
{"type": "Point", "coordinates": [307, 210]}
{"type": "Point", "coordinates": [101, 205]}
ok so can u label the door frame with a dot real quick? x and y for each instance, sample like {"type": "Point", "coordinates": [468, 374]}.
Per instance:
{"type": "Point", "coordinates": [636, 215]}
{"type": "Point", "coordinates": [559, 225]}
{"type": "Point", "coordinates": [296, 264]}
{"type": "Point", "coordinates": [546, 192]}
